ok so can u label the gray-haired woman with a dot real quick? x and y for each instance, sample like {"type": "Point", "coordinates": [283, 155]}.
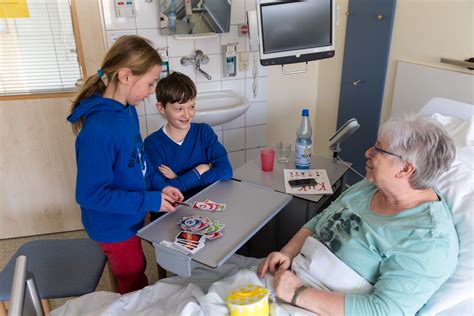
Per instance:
{"type": "Point", "coordinates": [392, 228]}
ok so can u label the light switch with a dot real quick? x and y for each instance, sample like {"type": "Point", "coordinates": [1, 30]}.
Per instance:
{"type": "Point", "coordinates": [244, 61]}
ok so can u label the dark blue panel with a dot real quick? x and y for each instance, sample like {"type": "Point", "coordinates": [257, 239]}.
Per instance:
{"type": "Point", "coordinates": [366, 51]}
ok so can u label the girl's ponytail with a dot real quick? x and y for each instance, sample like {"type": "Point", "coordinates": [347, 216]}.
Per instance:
{"type": "Point", "coordinates": [93, 84]}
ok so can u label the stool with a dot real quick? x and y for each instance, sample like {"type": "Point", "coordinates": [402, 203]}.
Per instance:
{"type": "Point", "coordinates": [61, 267]}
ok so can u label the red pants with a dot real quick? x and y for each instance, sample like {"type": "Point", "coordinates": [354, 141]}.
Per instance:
{"type": "Point", "coordinates": [127, 262]}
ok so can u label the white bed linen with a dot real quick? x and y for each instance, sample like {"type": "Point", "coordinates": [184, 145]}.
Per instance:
{"type": "Point", "coordinates": [179, 296]}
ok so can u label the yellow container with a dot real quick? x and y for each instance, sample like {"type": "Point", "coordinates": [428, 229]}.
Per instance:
{"type": "Point", "coordinates": [248, 300]}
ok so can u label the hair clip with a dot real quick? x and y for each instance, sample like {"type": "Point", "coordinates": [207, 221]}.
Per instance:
{"type": "Point", "coordinates": [100, 73]}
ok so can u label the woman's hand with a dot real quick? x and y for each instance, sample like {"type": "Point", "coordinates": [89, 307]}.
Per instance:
{"type": "Point", "coordinates": [273, 262]}
{"type": "Point", "coordinates": [174, 193]}
{"type": "Point", "coordinates": [167, 172]}
{"type": "Point", "coordinates": [202, 168]}
{"type": "Point", "coordinates": [285, 284]}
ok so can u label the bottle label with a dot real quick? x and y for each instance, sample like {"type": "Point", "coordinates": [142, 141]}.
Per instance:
{"type": "Point", "coordinates": [303, 155]}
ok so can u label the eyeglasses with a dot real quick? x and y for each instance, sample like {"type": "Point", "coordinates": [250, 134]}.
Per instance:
{"type": "Point", "coordinates": [380, 150]}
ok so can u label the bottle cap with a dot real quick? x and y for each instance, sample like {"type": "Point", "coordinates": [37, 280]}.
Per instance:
{"type": "Point", "coordinates": [305, 112]}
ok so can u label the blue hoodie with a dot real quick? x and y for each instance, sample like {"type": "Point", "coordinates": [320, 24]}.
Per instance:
{"type": "Point", "coordinates": [112, 175]}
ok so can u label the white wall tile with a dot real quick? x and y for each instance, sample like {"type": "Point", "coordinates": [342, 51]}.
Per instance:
{"type": "Point", "coordinates": [252, 154]}
{"type": "Point", "coordinates": [238, 122]}
{"type": "Point", "coordinates": [183, 47]}
{"type": "Point", "coordinates": [262, 70]}
{"type": "Point", "coordinates": [256, 114]}
{"type": "Point", "coordinates": [147, 13]}
{"type": "Point", "coordinates": [234, 139]}
{"type": "Point", "coordinates": [141, 108]}
{"type": "Point", "coordinates": [112, 36]}
{"type": "Point", "coordinates": [154, 122]}
{"type": "Point", "coordinates": [208, 86]}
{"type": "Point", "coordinates": [217, 128]}
{"type": "Point", "coordinates": [250, 5]}
{"type": "Point", "coordinates": [237, 158]}
{"type": "Point", "coordinates": [261, 89]}
{"type": "Point", "coordinates": [238, 86]}
{"type": "Point", "coordinates": [153, 35]}
{"type": "Point", "coordinates": [111, 22]}
{"type": "Point", "coordinates": [209, 45]}
{"type": "Point", "coordinates": [143, 129]}
{"type": "Point", "coordinates": [213, 68]}
{"type": "Point", "coordinates": [255, 136]}
{"type": "Point", "coordinates": [237, 14]}
{"type": "Point", "coordinates": [175, 65]}
{"type": "Point", "coordinates": [150, 105]}
{"type": "Point", "coordinates": [219, 136]}
{"type": "Point", "coordinates": [233, 37]}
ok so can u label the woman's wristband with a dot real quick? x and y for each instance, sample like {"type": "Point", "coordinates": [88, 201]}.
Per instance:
{"type": "Point", "coordinates": [297, 293]}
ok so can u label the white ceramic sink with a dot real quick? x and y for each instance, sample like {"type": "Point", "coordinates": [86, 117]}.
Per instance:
{"type": "Point", "coordinates": [215, 108]}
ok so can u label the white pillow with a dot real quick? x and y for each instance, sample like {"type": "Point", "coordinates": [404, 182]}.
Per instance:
{"type": "Point", "coordinates": [457, 186]}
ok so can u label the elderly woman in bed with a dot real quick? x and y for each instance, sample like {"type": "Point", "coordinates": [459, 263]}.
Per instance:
{"type": "Point", "coordinates": [391, 229]}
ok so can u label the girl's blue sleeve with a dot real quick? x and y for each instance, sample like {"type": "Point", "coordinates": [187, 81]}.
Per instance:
{"type": "Point", "coordinates": [94, 190]}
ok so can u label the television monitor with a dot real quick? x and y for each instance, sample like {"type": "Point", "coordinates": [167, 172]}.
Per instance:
{"type": "Point", "coordinates": [293, 31]}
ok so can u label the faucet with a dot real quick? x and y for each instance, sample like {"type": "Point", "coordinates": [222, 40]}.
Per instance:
{"type": "Point", "coordinates": [197, 59]}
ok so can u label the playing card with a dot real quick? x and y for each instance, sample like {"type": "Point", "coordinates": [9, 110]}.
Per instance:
{"type": "Point", "coordinates": [214, 235]}
{"type": "Point", "coordinates": [209, 205]}
{"type": "Point", "coordinates": [190, 236]}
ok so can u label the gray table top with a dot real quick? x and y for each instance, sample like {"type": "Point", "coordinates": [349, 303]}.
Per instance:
{"type": "Point", "coordinates": [251, 172]}
{"type": "Point", "coordinates": [248, 208]}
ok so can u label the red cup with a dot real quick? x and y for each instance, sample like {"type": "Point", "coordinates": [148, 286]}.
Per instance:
{"type": "Point", "coordinates": [267, 157]}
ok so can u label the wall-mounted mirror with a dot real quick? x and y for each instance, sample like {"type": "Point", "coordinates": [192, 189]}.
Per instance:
{"type": "Point", "coordinates": [194, 16]}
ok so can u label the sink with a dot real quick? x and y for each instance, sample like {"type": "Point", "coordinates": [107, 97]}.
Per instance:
{"type": "Point", "coordinates": [219, 107]}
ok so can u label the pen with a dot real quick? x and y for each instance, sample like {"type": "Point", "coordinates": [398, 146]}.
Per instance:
{"type": "Point", "coordinates": [182, 203]}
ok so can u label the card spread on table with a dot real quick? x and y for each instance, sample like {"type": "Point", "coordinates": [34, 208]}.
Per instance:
{"type": "Point", "coordinates": [195, 231]}
{"type": "Point", "coordinates": [209, 205]}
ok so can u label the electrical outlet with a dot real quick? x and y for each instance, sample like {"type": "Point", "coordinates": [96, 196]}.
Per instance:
{"type": "Point", "coordinates": [243, 61]}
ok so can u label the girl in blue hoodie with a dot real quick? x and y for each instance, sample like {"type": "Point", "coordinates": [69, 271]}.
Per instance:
{"type": "Point", "coordinates": [116, 187]}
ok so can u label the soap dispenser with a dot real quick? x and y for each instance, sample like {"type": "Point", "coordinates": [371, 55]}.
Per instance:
{"type": "Point", "coordinates": [229, 56]}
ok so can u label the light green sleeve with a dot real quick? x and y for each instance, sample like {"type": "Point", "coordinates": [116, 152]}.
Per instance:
{"type": "Point", "coordinates": [408, 278]}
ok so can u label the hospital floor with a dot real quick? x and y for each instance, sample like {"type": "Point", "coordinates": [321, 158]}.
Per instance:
{"type": "Point", "coordinates": [9, 246]}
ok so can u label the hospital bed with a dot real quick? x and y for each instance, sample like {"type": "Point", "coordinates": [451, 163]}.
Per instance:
{"type": "Point", "coordinates": [454, 297]}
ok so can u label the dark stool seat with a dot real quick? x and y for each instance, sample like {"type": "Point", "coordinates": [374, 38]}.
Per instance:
{"type": "Point", "coordinates": [61, 268]}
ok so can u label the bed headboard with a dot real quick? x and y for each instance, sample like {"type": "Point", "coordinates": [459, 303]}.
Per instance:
{"type": "Point", "coordinates": [416, 84]}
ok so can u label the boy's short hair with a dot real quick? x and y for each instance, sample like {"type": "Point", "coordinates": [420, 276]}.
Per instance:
{"type": "Point", "coordinates": [176, 88]}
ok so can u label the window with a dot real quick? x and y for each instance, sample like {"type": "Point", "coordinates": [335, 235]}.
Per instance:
{"type": "Point", "coordinates": [39, 54]}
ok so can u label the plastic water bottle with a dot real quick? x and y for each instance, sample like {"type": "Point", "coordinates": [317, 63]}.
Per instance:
{"type": "Point", "coordinates": [172, 17]}
{"type": "Point", "coordinates": [303, 146]}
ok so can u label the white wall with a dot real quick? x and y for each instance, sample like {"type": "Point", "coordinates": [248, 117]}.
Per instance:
{"type": "Point", "coordinates": [243, 136]}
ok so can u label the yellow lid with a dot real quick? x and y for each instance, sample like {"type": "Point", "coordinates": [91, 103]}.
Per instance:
{"type": "Point", "coordinates": [249, 300]}
{"type": "Point", "coordinates": [246, 295]}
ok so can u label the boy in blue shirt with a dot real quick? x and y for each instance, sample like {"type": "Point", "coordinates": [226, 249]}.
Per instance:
{"type": "Point", "coordinates": [186, 155]}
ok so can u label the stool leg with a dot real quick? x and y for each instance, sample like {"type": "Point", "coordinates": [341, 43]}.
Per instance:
{"type": "Point", "coordinates": [113, 280]}
{"type": "Point", "coordinates": [46, 306]}
{"type": "Point", "coordinates": [161, 272]}
{"type": "Point", "coordinates": [3, 309]}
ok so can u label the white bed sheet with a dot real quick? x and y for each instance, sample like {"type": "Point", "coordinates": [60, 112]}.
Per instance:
{"type": "Point", "coordinates": [199, 295]}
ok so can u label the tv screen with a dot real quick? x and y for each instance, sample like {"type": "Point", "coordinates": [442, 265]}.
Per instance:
{"type": "Point", "coordinates": [293, 31]}
{"type": "Point", "coordinates": [296, 25]}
